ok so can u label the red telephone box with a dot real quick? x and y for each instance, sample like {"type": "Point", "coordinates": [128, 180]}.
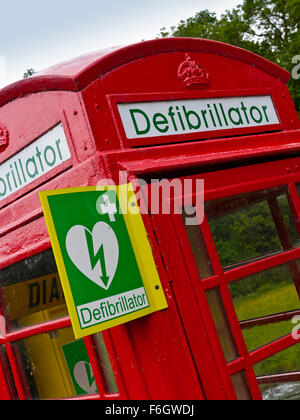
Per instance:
{"type": "Point", "coordinates": [173, 109]}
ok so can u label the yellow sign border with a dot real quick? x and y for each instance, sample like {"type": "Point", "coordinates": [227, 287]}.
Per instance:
{"type": "Point", "coordinates": [141, 248]}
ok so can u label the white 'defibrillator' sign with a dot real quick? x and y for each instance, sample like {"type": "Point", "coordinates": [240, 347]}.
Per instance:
{"type": "Point", "coordinates": [40, 157]}
{"type": "Point", "coordinates": [165, 118]}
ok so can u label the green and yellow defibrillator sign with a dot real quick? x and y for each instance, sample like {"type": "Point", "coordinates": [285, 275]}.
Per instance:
{"type": "Point", "coordinates": [103, 256]}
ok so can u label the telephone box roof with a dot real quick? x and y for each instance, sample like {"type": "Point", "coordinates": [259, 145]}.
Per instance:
{"type": "Point", "coordinates": [76, 74]}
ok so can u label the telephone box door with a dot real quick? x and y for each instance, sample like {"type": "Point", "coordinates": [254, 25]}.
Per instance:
{"type": "Point", "coordinates": [236, 279]}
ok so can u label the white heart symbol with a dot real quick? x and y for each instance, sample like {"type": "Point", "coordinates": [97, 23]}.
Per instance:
{"type": "Point", "coordinates": [96, 253]}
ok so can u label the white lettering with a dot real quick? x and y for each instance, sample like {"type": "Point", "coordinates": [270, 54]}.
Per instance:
{"type": "Point", "coordinates": [166, 118]}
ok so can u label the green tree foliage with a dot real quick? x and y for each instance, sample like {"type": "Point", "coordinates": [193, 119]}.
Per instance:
{"type": "Point", "coordinates": [249, 233]}
{"type": "Point", "coordinates": [267, 27]}
{"type": "Point", "coordinates": [29, 73]}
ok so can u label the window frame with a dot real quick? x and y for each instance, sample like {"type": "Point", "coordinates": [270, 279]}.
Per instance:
{"type": "Point", "coordinates": [220, 185]}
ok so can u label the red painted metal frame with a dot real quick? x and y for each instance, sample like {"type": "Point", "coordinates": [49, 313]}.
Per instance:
{"type": "Point", "coordinates": [271, 319]}
{"type": "Point", "coordinates": [83, 94]}
{"type": "Point", "coordinates": [220, 185]}
{"type": "Point", "coordinates": [126, 342]}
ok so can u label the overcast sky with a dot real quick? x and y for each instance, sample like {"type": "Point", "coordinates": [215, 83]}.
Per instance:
{"type": "Point", "coordinates": [39, 33]}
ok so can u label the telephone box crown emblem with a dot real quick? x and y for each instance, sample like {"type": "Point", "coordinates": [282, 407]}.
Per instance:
{"type": "Point", "coordinates": [192, 74]}
{"type": "Point", "coordinates": [4, 137]}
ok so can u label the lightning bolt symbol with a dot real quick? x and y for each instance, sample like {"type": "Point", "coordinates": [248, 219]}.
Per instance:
{"type": "Point", "coordinates": [99, 256]}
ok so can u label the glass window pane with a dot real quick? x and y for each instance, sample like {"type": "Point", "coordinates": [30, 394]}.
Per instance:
{"type": "Point", "coordinates": [105, 363]}
{"type": "Point", "coordinates": [257, 337]}
{"type": "Point", "coordinates": [55, 366]}
{"type": "Point", "coordinates": [249, 227]}
{"type": "Point", "coordinates": [269, 292]}
{"type": "Point", "coordinates": [282, 364]}
{"type": "Point", "coordinates": [292, 224]}
{"type": "Point", "coordinates": [199, 250]}
{"type": "Point", "coordinates": [31, 292]}
{"type": "Point", "coordinates": [222, 325]}
{"type": "Point", "coordinates": [262, 295]}
{"type": "Point", "coordinates": [241, 387]}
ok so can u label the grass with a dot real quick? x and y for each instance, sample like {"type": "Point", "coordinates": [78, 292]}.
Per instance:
{"type": "Point", "coordinates": [266, 301]}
